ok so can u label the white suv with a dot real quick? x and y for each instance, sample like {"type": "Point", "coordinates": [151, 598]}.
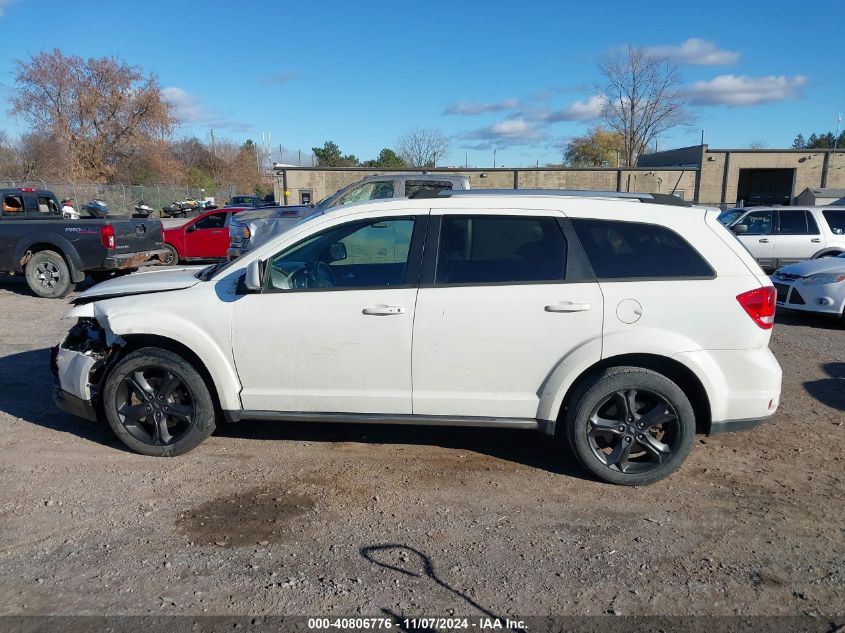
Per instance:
{"type": "Point", "coordinates": [777, 236]}
{"type": "Point", "coordinates": [623, 325]}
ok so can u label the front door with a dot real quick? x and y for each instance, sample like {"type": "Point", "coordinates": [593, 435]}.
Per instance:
{"type": "Point", "coordinates": [331, 331]}
{"type": "Point", "coordinates": [759, 239]}
{"type": "Point", "coordinates": [506, 302]}
{"type": "Point", "coordinates": [208, 237]}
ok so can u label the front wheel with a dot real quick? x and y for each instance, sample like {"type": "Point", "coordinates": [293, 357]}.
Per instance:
{"type": "Point", "coordinates": [48, 275]}
{"type": "Point", "coordinates": [630, 426]}
{"type": "Point", "coordinates": [157, 403]}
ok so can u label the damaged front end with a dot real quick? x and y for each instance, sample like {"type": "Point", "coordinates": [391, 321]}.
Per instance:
{"type": "Point", "coordinates": [79, 364]}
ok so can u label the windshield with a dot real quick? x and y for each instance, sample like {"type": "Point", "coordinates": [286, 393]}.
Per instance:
{"type": "Point", "coordinates": [729, 216]}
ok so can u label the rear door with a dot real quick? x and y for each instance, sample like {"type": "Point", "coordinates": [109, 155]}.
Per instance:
{"type": "Point", "coordinates": [759, 239]}
{"type": "Point", "coordinates": [798, 236]}
{"type": "Point", "coordinates": [504, 300]}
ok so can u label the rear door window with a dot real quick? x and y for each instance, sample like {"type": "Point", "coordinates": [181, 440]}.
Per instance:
{"type": "Point", "coordinates": [792, 222]}
{"type": "Point", "coordinates": [812, 227]}
{"type": "Point", "coordinates": [835, 220]}
{"type": "Point", "coordinates": [635, 250]}
{"type": "Point", "coordinates": [500, 249]}
{"type": "Point", "coordinates": [47, 206]}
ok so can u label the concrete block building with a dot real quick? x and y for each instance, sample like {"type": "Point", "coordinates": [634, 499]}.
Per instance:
{"type": "Point", "coordinates": [715, 177]}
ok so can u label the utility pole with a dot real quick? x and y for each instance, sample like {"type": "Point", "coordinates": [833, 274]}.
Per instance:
{"type": "Point", "coordinates": [494, 158]}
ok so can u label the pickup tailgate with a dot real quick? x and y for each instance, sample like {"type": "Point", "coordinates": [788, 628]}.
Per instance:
{"type": "Point", "coordinates": [132, 235]}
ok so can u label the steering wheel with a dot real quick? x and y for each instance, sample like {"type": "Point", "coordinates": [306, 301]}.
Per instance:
{"type": "Point", "coordinates": [323, 275]}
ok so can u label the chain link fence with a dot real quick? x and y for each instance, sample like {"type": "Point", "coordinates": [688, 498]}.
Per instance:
{"type": "Point", "coordinates": [121, 199]}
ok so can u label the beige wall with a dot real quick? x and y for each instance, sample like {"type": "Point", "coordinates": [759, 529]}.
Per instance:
{"type": "Point", "coordinates": [808, 166]}
{"type": "Point", "coordinates": [322, 182]}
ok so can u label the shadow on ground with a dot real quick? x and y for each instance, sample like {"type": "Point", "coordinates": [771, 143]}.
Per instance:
{"type": "Point", "coordinates": [807, 319]}
{"type": "Point", "coordinates": [28, 394]}
{"type": "Point", "coordinates": [829, 391]}
{"type": "Point", "coordinates": [409, 561]}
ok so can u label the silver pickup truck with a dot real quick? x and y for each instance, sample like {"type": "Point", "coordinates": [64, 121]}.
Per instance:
{"type": "Point", "coordinates": [251, 228]}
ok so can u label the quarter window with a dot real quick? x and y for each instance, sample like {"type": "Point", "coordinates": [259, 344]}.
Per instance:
{"type": "Point", "coordinates": [500, 249]}
{"type": "Point", "coordinates": [635, 250]}
{"type": "Point", "coordinates": [364, 254]}
{"type": "Point", "coordinates": [836, 221]}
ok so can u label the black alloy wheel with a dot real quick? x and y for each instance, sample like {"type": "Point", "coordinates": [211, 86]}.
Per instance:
{"type": "Point", "coordinates": [158, 403]}
{"type": "Point", "coordinates": [155, 405]}
{"type": "Point", "coordinates": [633, 430]}
{"type": "Point", "coordinates": [630, 425]}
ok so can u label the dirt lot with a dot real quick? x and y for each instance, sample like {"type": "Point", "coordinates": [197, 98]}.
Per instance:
{"type": "Point", "coordinates": [271, 518]}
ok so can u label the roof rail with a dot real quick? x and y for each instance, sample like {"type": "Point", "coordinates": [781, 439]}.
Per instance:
{"type": "Point", "coordinates": [653, 198]}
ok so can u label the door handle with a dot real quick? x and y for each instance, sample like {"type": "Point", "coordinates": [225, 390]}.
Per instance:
{"type": "Point", "coordinates": [383, 310]}
{"type": "Point", "coordinates": [764, 240]}
{"type": "Point", "coordinates": [816, 240]}
{"type": "Point", "coordinates": [568, 306]}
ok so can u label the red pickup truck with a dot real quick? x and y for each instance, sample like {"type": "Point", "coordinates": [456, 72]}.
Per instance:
{"type": "Point", "coordinates": [205, 237]}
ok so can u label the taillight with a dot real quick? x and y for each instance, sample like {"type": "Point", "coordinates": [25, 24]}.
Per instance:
{"type": "Point", "coordinates": [760, 305]}
{"type": "Point", "coordinates": [107, 236]}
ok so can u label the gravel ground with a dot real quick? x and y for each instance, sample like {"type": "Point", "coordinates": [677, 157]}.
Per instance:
{"type": "Point", "coordinates": [272, 518]}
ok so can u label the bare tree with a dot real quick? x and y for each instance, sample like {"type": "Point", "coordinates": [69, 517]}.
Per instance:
{"type": "Point", "coordinates": [103, 109]}
{"type": "Point", "coordinates": [422, 147]}
{"type": "Point", "coordinates": [643, 99]}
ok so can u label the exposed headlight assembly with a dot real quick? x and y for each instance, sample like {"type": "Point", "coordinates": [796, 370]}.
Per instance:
{"type": "Point", "coordinates": [821, 279]}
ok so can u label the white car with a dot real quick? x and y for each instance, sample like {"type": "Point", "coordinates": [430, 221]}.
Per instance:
{"type": "Point", "coordinates": [817, 285]}
{"type": "Point", "coordinates": [777, 236]}
{"type": "Point", "coordinates": [624, 325]}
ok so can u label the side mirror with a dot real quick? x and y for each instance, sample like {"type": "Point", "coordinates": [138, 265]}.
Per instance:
{"type": "Point", "coordinates": [739, 229]}
{"type": "Point", "coordinates": [191, 228]}
{"type": "Point", "coordinates": [252, 279]}
{"type": "Point", "coordinates": [337, 251]}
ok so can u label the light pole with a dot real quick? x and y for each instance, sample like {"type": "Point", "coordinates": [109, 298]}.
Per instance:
{"type": "Point", "coordinates": [494, 158]}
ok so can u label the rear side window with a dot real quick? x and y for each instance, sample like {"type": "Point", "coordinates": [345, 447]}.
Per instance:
{"type": "Point", "coordinates": [500, 249]}
{"type": "Point", "coordinates": [415, 186]}
{"type": "Point", "coordinates": [635, 250]}
{"type": "Point", "coordinates": [793, 223]}
{"type": "Point", "coordinates": [836, 221]}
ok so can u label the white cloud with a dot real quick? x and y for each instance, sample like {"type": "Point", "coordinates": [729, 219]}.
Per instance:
{"type": "Point", "coordinates": [740, 90]}
{"type": "Point", "coordinates": [188, 110]}
{"type": "Point", "coordinates": [582, 111]}
{"type": "Point", "coordinates": [507, 133]}
{"type": "Point", "coordinates": [472, 108]}
{"type": "Point", "coordinates": [4, 4]}
{"type": "Point", "coordinates": [697, 52]}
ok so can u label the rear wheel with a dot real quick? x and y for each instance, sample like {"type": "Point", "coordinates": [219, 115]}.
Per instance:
{"type": "Point", "coordinates": [48, 275]}
{"type": "Point", "coordinates": [157, 403]}
{"type": "Point", "coordinates": [171, 256]}
{"type": "Point", "coordinates": [630, 426]}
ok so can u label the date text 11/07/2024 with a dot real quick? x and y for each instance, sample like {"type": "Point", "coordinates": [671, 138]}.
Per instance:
{"type": "Point", "coordinates": [362, 623]}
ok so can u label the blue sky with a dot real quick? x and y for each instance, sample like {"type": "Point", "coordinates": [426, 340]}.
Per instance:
{"type": "Point", "coordinates": [518, 77]}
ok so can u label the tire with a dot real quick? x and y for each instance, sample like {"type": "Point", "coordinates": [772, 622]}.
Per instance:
{"type": "Point", "coordinates": [172, 256]}
{"type": "Point", "coordinates": [157, 403]}
{"type": "Point", "coordinates": [48, 275]}
{"type": "Point", "coordinates": [612, 444]}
